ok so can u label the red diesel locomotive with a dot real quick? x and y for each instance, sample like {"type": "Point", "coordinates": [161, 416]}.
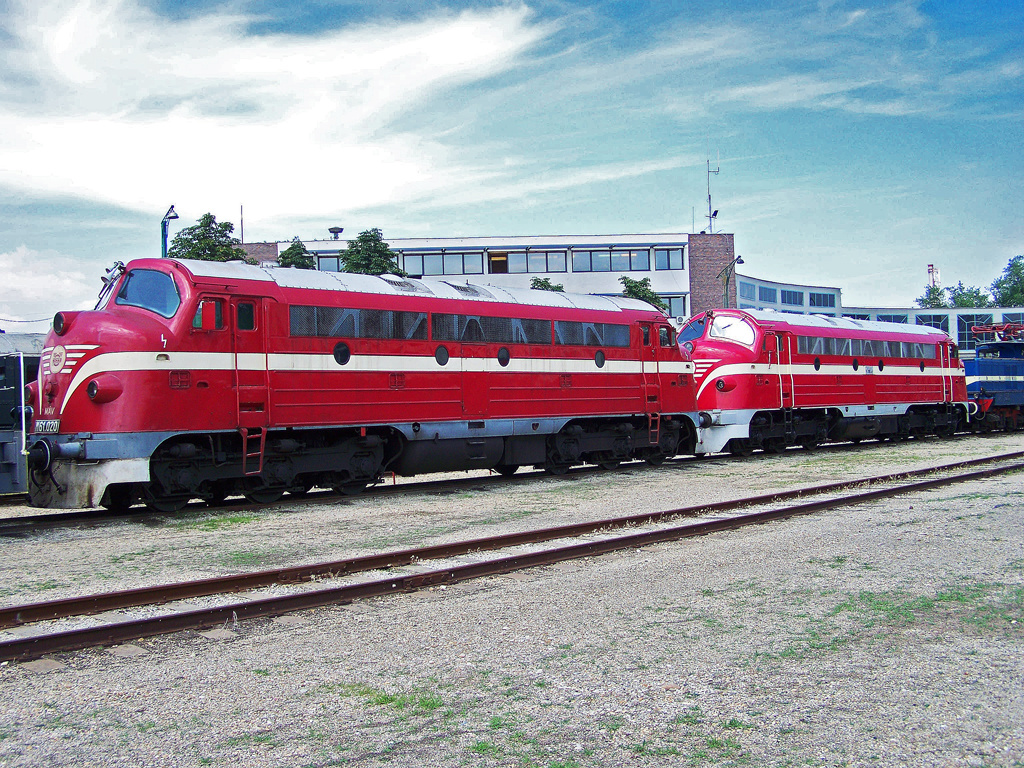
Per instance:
{"type": "Point", "coordinates": [768, 380]}
{"type": "Point", "coordinates": [195, 379]}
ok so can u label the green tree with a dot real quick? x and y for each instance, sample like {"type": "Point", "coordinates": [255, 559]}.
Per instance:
{"type": "Point", "coordinates": [933, 298]}
{"type": "Point", "coordinates": [207, 241]}
{"type": "Point", "coordinates": [641, 289]}
{"type": "Point", "coordinates": [961, 295]}
{"type": "Point", "coordinates": [368, 254]}
{"type": "Point", "coordinates": [1008, 289]}
{"type": "Point", "coordinates": [296, 255]}
{"type": "Point", "coordinates": [544, 284]}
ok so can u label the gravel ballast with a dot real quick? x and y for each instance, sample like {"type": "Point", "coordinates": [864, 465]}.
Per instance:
{"type": "Point", "coordinates": [881, 634]}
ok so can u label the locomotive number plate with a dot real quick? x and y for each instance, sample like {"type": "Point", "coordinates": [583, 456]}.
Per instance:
{"type": "Point", "coordinates": [48, 425]}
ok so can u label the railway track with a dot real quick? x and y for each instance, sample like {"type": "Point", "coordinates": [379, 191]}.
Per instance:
{"type": "Point", "coordinates": [25, 525]}
{"type": "Point", "coordinates": [123, 631]}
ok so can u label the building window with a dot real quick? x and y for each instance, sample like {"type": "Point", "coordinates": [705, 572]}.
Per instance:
{"type": "Point", "coordinates": [433, 264]}
{"type": "Point", "coordinates": [793, 298]}
{"type": "Point", "coordinates": [856, 317]}
{"type": "Point", "coordinates": [668, 258]}
{"type": "Point", "coordinates": [412, 263]}
{"type": "Point", "coordinates": [822, 299]}
{"type": "Point", "coordinates": [767, 294]}
{"type": "Point", "coordinates": [892, 318]}
{"type": "Point", "coordinates": [935, 321]}
{"type": "Point", "coordinates": [748, 291]}
{"type": "Point", "coordinates": [555, 261]}
{"type": "Point", "coordinates": [964, 323]}
{"type": "Point", "coordinates": [591, 261]}
{"type": "Point", "coordinates": [631, 261]}
{"type": "Point", "coordinates": [1013, 317]}
{"type": "Point", "coordinates": [676, 305]}
{"type": "Point", "coordinates": [328, 264]}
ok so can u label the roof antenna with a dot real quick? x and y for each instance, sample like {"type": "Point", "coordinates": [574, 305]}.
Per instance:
{"type": "Point", "coordinates": [712, 215]}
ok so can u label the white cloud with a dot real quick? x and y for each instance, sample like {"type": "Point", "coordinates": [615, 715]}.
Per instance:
{"type": "Point", "coordinates": [35, 283]}
{"type": "Point", "coordinates": [135, 110]}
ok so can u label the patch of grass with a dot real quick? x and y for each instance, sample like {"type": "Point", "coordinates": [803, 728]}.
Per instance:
{"type": "Point", "coordinates": [484, 748]}
{"type": "Point", "coordinates": [734, 723]}
{"type": "Point", "coordinates": [693, 716]}
{"type": "Point", "coordinates": [217, 523]}
{"type": "Point", "coordinates": [127, 557]}
{"type": "Point", "coordinates": [613, 724]}
{"type": "Point", "coordinates": [416, 702]}
{"type": "Point", "coordinates": [645, 749]}
{"type": "Point", "coordinates": [248, 558]}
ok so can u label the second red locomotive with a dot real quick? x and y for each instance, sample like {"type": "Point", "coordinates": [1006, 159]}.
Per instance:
{"type": "Point", "coordinates": [767, 380]}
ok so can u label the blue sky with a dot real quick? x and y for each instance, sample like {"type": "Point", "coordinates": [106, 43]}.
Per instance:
{"type": "Point", "coordinates": [857, 141]}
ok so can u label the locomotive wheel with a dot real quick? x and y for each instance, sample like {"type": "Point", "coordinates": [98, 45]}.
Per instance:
{"type": "Point", "coordinates": [740, 447]}
{"type": "Point", "coordinates": [165, 504]}
{"type": "Point", "coordinates": [218, 493]}
{"type": "Point", "coordinates": [117, 499]}
{"type": "Point", "coordinates": [264, 495]}
{"type": "Point", "coordinates": [349, 489]}
{"type": "Point", "coordinates": [774, 446]}
{"type": "Point", "coordinates": [556, 469]}
{"type": "Point", "coordinates": [609, 465]}
{"type": "Point", "coordinates": [809, 443]}
{"type": "Point", "coordinates": [506, 470]}
{"type": "Point", "coordinates": [655, 459]}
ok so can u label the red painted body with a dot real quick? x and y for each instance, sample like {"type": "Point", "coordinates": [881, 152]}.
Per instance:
{"type": "Point", "coordinates": [822, 370]}
{"type": "Point", "coordinates": [233, 356]}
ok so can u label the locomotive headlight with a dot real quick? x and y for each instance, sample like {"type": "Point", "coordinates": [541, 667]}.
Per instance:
{"type": "Point", "coordinates": [62, 321]}
{"type": "Point", "coordinates": [104, 388]}
{"type": "Point", "coordinates": [725, 385]}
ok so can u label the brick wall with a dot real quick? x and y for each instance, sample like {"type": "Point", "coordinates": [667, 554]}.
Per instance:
{"type": "Point", "coordinates": [262, 252]}
{"type": "Point", "coordinates": [709, 254]}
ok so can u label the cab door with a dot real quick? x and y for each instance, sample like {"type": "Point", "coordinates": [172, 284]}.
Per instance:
{"type": "Point", "coordinates": [780, 365]}
{"type": "Point", "coordinates": [649, 370]}
{"type": "Point", "coordinates": [249, 354]}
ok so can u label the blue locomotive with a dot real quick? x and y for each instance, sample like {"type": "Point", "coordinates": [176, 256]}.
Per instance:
{"type": "Point", "coordinates": [995, 377]}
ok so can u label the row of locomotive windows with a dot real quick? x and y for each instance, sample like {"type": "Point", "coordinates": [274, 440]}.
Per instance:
{"type": "Point", "coordinates": [826, 345]}
{"type": "Point", "coordinates": [338, 322]}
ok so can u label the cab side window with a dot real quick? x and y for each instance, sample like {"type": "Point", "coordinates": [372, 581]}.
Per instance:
{"type": "Point", "coordinates": [246, 316]}
{"type": "Point", "coordinates": [665, 336]}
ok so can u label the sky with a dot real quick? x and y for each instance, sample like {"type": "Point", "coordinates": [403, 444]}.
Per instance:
{"type": "Point", "coordinates": [855, 142]}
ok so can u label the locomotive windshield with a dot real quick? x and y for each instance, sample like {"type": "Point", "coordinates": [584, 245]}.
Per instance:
{"type": "Point", "coordinates": [693, 330]}
{"type": "Point", "coordinates": [149, 289]}
{"type": "Point", "coordinates": [732, 329]}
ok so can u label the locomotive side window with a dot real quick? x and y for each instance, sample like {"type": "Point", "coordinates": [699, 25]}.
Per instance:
{"type": "Point", "coordinates": [246, 316]}
{"type": "Point", "coordinates": [569, 333]}
{"type": "Point", "coordinates": [149, 289]}
{"type": "Point", "coordinates": [493, 330]}
{"type": "Point", "coordinates": [826, 345]}
{"type": "Point", "coordinates": [333, 322]}
{"type": "Point", "coordinates": [665, 336]}
{"type": "Point", "coordinates": [732, 329]}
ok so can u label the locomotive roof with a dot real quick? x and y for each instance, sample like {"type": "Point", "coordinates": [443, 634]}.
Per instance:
{"type": "Point", "coordinates": [817, 322]}
{"type": "Point", "coordinates": [288, 277]}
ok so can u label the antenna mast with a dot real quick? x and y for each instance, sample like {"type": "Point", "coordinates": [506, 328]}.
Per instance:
{"type": "Point", "coordinates": [711, 214]}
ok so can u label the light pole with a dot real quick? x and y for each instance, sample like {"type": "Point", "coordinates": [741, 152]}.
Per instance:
{"type": "Point", "coordinates": [163, 229]}
{"type": "Point", "coordinates": [727, 272]}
